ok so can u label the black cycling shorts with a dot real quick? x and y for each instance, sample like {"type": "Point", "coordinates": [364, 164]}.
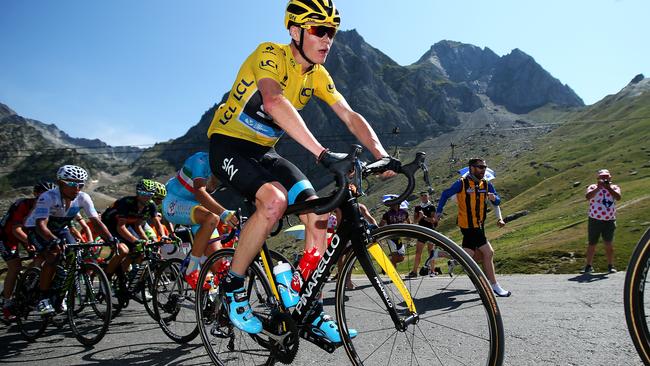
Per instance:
{"type": "Point", "coordinates": [473, 238]}
{"type": "Point", "coordinates": [246, 166]}
{"type": "Point", "coordinates": [43, 245]}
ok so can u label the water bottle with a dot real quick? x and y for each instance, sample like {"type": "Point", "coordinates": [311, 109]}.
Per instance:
{"type": "Point", "coordinates": [283, 277]}
{"type": "Point", "coordinates": [306, 266]}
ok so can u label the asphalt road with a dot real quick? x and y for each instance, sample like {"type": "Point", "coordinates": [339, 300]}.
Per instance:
{"type": "Point", "coordinates": [549, 320]}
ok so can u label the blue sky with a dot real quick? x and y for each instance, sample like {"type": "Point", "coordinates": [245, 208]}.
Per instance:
{"type": "Point", "coordinates": [137, 72]}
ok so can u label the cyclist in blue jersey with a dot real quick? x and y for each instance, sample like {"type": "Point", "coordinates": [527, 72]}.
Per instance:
{"type": "Point", "coordinates": [49, 222]}
{"type": "Point", "coordinates": [188, 202]}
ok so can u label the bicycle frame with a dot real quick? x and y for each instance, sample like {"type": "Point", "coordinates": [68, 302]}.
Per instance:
{"type": "Point", "coordinates": [354, 229]}
{"type": "Point", "coordinates": [73, 262]}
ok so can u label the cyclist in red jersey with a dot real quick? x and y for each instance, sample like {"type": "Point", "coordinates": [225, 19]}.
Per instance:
{"type": "Point", "coordinates": [14, 234]}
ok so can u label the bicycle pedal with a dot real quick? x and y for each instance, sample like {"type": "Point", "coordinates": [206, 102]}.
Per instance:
{"type": "Point", "coordinates": [321, 342]}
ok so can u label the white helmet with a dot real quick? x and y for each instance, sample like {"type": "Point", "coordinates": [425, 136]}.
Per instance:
{"type": "Point", "coordinates": [72, 172]}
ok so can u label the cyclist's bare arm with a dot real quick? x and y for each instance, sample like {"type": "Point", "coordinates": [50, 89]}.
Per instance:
{"type": "Point", "coordinates": [366, 213]}
{"type": "Point", "coordinates": [360, 128]}
{"type": "Point", "coordinates": [43, 230]}
{"type": "Point", "coordinates": [124, 232]}
{"type": "Point", "coordinates": [84, 227]}
{"type": "Point", "coordinates": [19, 233]}
{"type": "Point", "coordinates": [103, 230]}
{"type": "Point", "coordinates": [157, 223]}
{"type": "Point", "coordinates": [286, 116]}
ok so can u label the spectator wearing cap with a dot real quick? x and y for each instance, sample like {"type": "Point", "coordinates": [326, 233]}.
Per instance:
{"type": "Point", "coordinates": [602, 198]}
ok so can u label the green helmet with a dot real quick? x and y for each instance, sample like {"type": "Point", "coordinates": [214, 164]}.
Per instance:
{"type": "Point", "coordinates": [146, 186]}
{"type": "Point", "coordinates": [161, 190]}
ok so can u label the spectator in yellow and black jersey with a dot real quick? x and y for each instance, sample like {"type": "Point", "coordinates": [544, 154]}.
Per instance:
{"type": "Point", "coordinates": [472, 193]}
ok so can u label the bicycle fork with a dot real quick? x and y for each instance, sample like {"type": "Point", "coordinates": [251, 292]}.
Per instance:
{"type": "Point", "coordinates": [374, 250]}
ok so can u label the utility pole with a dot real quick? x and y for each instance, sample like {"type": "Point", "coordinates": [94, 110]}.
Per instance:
{"type": "Point", "coordinates": [395, 133]}
{"type": "Point", "coordinates": [452, 158]}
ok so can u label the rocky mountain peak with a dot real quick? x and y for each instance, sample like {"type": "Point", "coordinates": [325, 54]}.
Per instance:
{"type": "Point", "coordinates": [520, 84]}
{"type": "Point", "coordinates": [461, 62]}
{"type": "Point", "coordinates": [637, 86]}
{"type": "Point", "coordinates": [5, 111]}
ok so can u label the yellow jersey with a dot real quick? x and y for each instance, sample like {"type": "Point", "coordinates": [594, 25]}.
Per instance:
{"type": "Point", "coordinates": [242, 115]}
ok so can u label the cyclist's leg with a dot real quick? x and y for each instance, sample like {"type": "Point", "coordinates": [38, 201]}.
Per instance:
{"type": "Point", "coordinates": [238, 162]}
{"type": "Point", "coordinates": [122, 251]}
{"type": "Point", "coordinates": [418, 256]}
{"type": "Point", "coordinates": [52, 255]}
{"type": "Point", "coordinates": [11, 257]}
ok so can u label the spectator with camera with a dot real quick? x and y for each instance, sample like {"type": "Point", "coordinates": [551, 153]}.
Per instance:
{"type": "Point", "coordinates": [602, 199]}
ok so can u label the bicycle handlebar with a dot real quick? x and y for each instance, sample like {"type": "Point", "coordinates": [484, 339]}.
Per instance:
{"type": "Point", "coordinates": [407, 170]}
{"type": "Point", "coordinates": [341, 172]}
{"type": "Point", "coordinates": [326, 204]}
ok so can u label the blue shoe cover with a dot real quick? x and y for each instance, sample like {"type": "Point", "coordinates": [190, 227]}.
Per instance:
{"type": "Point", "coordinates": [325, 327]}
{"type": "Point", "coordinates": [240, 312]}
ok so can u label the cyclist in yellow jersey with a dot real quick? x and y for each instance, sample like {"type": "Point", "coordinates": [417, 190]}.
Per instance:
{"type": "Point", "coordinates": [274, 83]}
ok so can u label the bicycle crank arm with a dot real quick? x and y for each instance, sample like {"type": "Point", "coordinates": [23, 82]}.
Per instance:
{"type": "Point", "coordinates": [321, 342]}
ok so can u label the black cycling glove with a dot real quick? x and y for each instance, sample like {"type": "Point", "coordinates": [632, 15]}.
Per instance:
{"type": "Point", "coordinates": [327, 158]}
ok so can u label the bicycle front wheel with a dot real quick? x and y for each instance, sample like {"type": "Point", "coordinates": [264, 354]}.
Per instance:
{"type": "Point", "coordinates": [448, 319]}
{"type": "Point", "coordinates": [89, 320]}
{"type": "Point", "coordinates": [173, 303]}
{"type": "Point", "coordinates": [26, 297]}
{"type": "Point", "coordinates": [634, 297]}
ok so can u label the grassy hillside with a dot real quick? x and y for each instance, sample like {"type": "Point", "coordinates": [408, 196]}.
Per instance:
{"type": "Point", "coordinates": [550, 181]}
{"type": "Point", "coordinates": [611, 134]}
{"type": "Point", "coordinates": [546, 174]}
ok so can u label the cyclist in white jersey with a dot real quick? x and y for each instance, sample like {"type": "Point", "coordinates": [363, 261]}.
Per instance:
{"type": "Point", "coordinates": [48, 224]}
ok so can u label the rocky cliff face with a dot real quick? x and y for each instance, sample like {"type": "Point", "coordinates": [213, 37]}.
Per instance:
{"type": "Point", "coordinates": [31, 150]}
{"type": "Point", "coordinates": [521, 85]}
{"type": "Point", "coordinates": [515, 80]}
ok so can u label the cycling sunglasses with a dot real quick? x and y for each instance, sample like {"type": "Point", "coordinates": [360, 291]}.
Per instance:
{"type": "Point", "coordinates": [144, 193]}
{"type": "Point", "coordinates": [320, 30]}
{"type": "Point", "coordinates": [480, 166]}
{"type": "Point", "coordinates": [68, 183]}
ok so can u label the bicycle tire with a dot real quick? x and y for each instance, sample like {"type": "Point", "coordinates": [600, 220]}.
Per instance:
{"type": "Point", "coordinates": [225, 344]}
{"type": "Point", "coordinates": [26, 297]}
{"type": "Point", "coordinates": [146, 292]}
{"type": "Point", "coordinates": [90, 326]}
{"type": "Point", "coordinates": [119, 292]}
{"type": "Point", "coordinates": [174, 303]}
{"type": "Point", "coordinates": [445, 310]}
{"type": "Point", "coordinates": [634, 297]}
{"type": "Point", "coordinates": [3, 274]}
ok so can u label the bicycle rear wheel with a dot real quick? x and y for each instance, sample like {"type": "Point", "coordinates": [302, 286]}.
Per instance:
{"type": "Point", "coordinates": [457, 323]}
{"type": "Point", "coordinates": [3, 275]}
{"type": "Point", "coordinates": [174, 303]}
{"type": "Point", "coordinates": [224, 343]}
{"type": "Point", "coordinates": [89, 321]}
{"type": "Point", "coordinates": [636, 305]}
{"type": "Point", "coordinates": [26, 296]}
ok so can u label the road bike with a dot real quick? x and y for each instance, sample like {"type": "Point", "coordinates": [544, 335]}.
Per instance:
{"type": "Point", "coordinates": [636, 305]}
{"type": "Point", "coordinates": [81, 291]}
{"type": "Point", "coordinates": [454, 321]}
{"type": "Point", "coordinates": [137, 283]}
